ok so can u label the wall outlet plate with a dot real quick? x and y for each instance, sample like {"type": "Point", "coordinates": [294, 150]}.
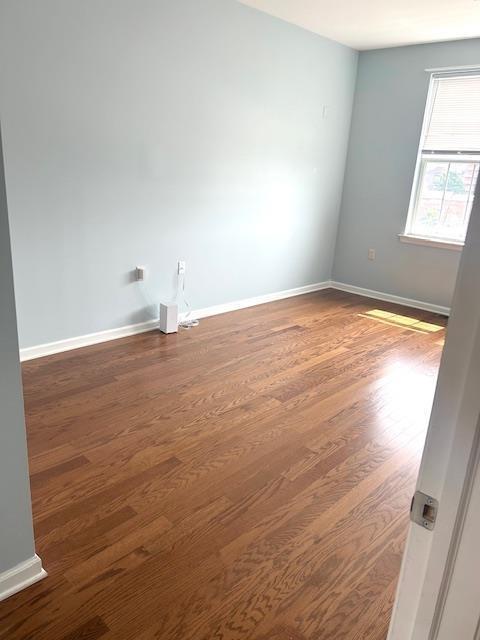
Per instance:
{"type": "Point", "coordinates": [182, 267]}
{"type": "Point", "coordinates": [140, 273]}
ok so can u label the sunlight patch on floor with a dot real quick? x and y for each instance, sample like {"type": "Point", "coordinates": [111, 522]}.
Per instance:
{"type": "Point", "coordinates": [406, 322]}
{"type": "Point", "coordinates": [408, 396]}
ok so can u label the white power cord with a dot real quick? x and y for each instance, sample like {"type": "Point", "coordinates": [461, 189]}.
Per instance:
{"type": "Point", "coordinates": [188, 322]}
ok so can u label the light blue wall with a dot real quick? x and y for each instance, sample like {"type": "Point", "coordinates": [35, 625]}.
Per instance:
{"type": "Point", "coordinates": [16, 530]}
{"type": "Point", "coordinates": [387, 119]}
{"type": "Point", "coordinates": [143, 131]}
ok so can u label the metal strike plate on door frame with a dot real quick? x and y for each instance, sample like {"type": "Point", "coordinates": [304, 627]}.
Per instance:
{"type": "Point", "coordinates": [423, 510]}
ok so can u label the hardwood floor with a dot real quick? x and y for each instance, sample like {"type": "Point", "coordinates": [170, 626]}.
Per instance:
{"type": "Point", "coordinates": [249, 478]}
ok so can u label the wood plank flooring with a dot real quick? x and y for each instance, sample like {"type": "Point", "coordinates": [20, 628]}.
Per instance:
{"type": "Point", "coordinates": [247, 479]}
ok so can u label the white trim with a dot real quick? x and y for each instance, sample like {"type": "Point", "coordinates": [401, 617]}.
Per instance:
{"type": "Point", "coordinates": [253, 302]}
{"type": "Point", "coordinates": [21, 576]}
{"type": "Point", "coordinates": [412, 204]}
{"type": "Point", "coordinates": [430, 242]}
{"type": "Point", "coordinates": [457, 534]}
{"type": "Point", "coordinates": [29, 353]}
{"type": "Point", "coordinates": [461, 69]}
{"type": "Point", "coordinates": [38, 351]}
{"type": "Point", "coordinates": [388, 297]}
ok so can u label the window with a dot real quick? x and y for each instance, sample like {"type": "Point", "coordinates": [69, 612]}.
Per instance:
{"type": "Point", "coordinates": [448, 164]}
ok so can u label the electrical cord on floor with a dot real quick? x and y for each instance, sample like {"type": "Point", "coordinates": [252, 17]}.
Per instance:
{"type": "Point", "coordinates": [188, 322]}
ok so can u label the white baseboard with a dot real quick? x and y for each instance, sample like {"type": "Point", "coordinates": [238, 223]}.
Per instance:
{"type": "Point", "coordinates": [253, 302]}
{"type": "Point", "coordinates": [388, 297]}
{"type": "Point", "coordinates": [29, 353]}
{"type": "Point", "coordinates": [21, 576]}
{"type": "Point", "coordinates": [41, 350]}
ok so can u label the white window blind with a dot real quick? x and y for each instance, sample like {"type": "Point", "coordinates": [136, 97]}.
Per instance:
{"type": "Point", "coordinates": [454, 123]}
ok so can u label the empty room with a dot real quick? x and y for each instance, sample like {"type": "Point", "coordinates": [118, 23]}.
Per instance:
{"type": "Point", "coordinates": [239, 320]}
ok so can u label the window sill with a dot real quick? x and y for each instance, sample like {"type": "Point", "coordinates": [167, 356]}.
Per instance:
{"type": "Point", "coordinates": [430, 242]}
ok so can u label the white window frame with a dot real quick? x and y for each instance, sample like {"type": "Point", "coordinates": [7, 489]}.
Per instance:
{"type": "Point", "coordinates": [422, 158]}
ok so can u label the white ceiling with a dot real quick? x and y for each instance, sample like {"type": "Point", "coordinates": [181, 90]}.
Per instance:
{"type": "Point", "coordinates": [372, 24]}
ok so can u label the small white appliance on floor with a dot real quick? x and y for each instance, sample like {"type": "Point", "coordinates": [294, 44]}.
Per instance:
{"type": "Point", "coordinates": [169, 318]}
